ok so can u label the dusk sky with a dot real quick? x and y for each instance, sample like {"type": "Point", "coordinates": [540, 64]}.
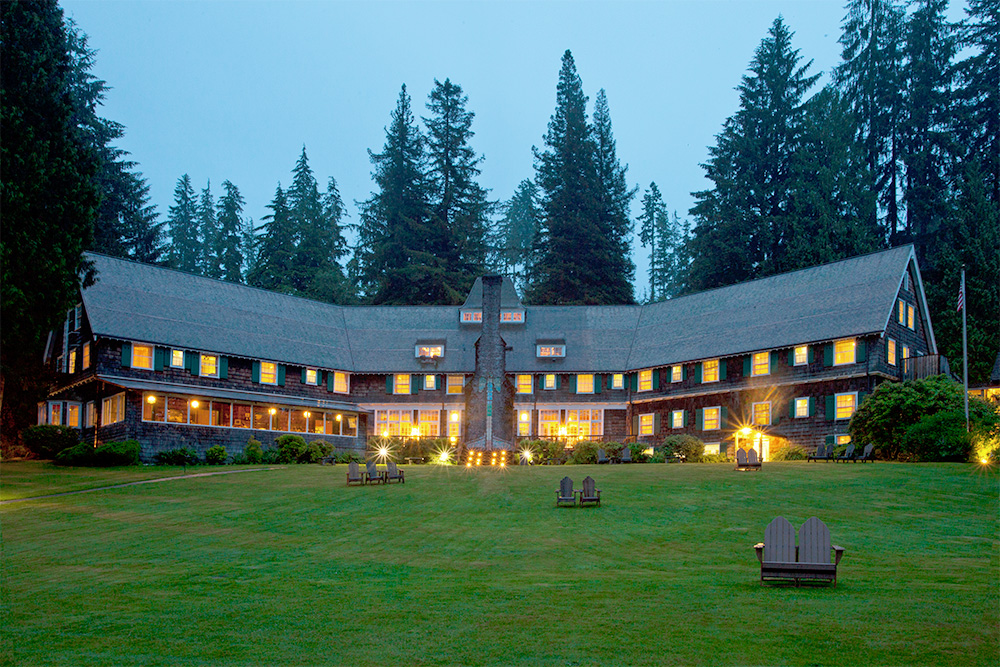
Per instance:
{"type": "Point", "coordinates": [232, 90]}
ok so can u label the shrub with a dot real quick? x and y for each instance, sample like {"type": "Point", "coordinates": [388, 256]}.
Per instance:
{"type": "Point", "coordinates": [689, 447]}
{"type": "Point", "coordinates": [46, 441]}
{"type": "Point", "coordinates": [177, 457]}
{"type": "Point", "coordinates": [938, 437]}
{"type": "Point", "coordinates": [613, 449]}
{"type": "Point", "coordinates": [317, 450]}
{"type": "Point", "coordinates": [789, 453]}
{"type": "Point", "coordinates": [80, 454]}
{"type": "Point", "coordinates": [639, 454]}
{"type": "Point", "coordinates": [347, 457]}
{"type": "Point", "coordinates": [270, 455]}
{"type": "Point", "coordinates": [216, 455]}
{"type": "Point", "coordinates": [714, 458]}
{"type": "Point", "coordinates": [290, 448]}
{"type": "Point", "coordinates": [659, 456]}
{"type": "Point", "coordinates": [583, 452]}
{"type": "Point", "coordinates": [124, 453]}
{"type": "Point", "coordinates": [253, 452]}
{"type": "Point", "coordinates": [545, 452]}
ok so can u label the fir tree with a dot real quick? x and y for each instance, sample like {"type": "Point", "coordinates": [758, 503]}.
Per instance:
{"type": "Point", "coordinates": [979, 93]}
{"type": "Point", "coordinates": [185, 250]}
{"type": "Point", "coordinates": [576, 248]}
{"type": "Point", "coordinates": [230, 245]}
{"type": "Point", "coordinates": [459, 204]}
{"type": "Point", "coordinates": [276, 256]}
{"type": "Point", "coordinates": [145, 237]}
{"type": "Point", "coordinates": [305, 212]}
{"type": "Point", "coordinates": [516, 232]}
{"type": "Point", "coordinates": [650, 223]}
{"type": "Point", "coordinates": [208, 235]}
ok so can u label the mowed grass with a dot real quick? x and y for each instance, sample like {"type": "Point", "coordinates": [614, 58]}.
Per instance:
{"type": "Point", "coordinates": [291, 567]}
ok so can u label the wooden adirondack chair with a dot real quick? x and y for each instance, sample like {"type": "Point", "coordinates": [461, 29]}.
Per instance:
{"type": "Point", "coordinates": [777, 552]}
{"type": "Point", "coordinates": [394, 474]}
{"type": "Point", "coordinates": [741, 459]}
{"type": "Point", "coordinates": [753, 463]}
{"type": "Point", "coordinates": [814, 553]}
{"type": "Point", "coordinates": [848, 454]}
{"type": "Point", "coordinates": [589, 494]}
{"type": "Point", "coordinates": [867, 455]}
{"type": "Point", "coordinates": [626, 454]}
{"type": "Point", "coordinates": [565, 495]}
{"type": "Point", "coordinates": [810, 561]}
{"type": "Point", "coordinates": [354, 474]}
{"type": "Point", "coordinates": [602, 456]}
{"type": "Point", "coordinates": [820, 454]}
{"type": "Point", "coordinates": [373, 475]}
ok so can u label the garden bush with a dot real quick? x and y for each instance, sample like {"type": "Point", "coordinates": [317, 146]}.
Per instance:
{"type": "Point", "coordinates": [789, 453]}
{"type": "Point", "coordinates": [714, 458]}
{"type": "Point", "coordinates": [46, 441]}
{"type": "Point", "coordinates": [938, 437]}
{"type": "Point", "coordinates": [290, 448]}
{"type": "Point", "coordinates": [613, 449]}
{"type": "Point", "coordinates": [80, 454]}
{"type": "Point", "coordinates": [125, 453]}
{"type": "Point", "coordinates": [639, 454]}
{"type": "Point", "coordinates": [348, 456]}
{"type": "Point", "coordinates": [689, 447]}
{"type": "Point", "coordinates": [545, 452]}
{"type": "Point", "coordinates": [584, 452]}
{"type": "Point", "coordinates": [253, 452]}
{"type": "Point", "coordinates": [177, 457]}
{"type": "Point", "coordinates": [317, 450]}
{"type": "Point", "coordinates": [216, 455]}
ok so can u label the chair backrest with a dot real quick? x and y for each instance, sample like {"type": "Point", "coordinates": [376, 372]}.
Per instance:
{"type": "Point", "coordinates": [849, 452]}
{"type": "Point", "coordinates": [566, 488]}
{"type": "Point", "coordinates": [627, 453]}
{"type": "Point", "coordinates": [868, 451]}
{"type": "Point", "coordinates": [814, 542]}
{"type": "Point", "coordinates": [821, 451]}
{"type": "Point", "coordinates": [741, 457]}
{"type": "Point", "coordinates": [752, 457]}
{"type": "Point", "coordinates": [372, 469]}
{"type": "Point", "coordinates": [602, 455]}
{"type": "Point", "coordinates": [352, 470]}
{"type": "Point", "coordinates": [588, 487]}
{"type": "Point", "coordinates": [779, 541]}
{"type": "Point", "coordinates": [391, 467]}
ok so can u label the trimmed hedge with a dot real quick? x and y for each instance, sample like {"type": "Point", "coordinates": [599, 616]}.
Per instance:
{"type": "Point", "coordinates": [46, 441]}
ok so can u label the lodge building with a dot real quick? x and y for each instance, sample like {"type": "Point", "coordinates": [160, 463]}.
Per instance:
{"type": "Point", "coordinates": [172, 359]}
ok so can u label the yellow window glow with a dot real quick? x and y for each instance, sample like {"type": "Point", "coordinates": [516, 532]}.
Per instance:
{"type": "Point", "coordinates": [311, 376]}
{"type": "Point", "coordinates": [844, 352]}
{"type": "Point", "coordinates": [430, 382]}
{"type": "Point", "coordinates": [524, 384]}
{"type": "Point", "coordinates": [550, 381]}
{"type": "Point", "coordinates": [761, 363]}
{"type": "Point", "coordinates": [585, 384]}
{"type": "Point", "coordinates": [401, 383]}
{"type": "Point", "coordinates": [846, 405]}
{"type": "Point", "coordinates": [762, 414]}
{"type": "Point", "coordinates": [646, 380]}
{"type": "Point", "coordinates": [340, 383]}
{"type": "Point", "coordinates": [909, 317]}
{"type": "Point", "coordinates": [456, 384]}
{"type": "Point", "coordinates": [268, 372]}
{"type": "Point", "coordinates": [177, 358]}
{"type": "Point", "coordinates": [676, 373]}
{"type": "Point", "coordinates": [86, 355]}
{"type": "Point", "coordinates": [618, 381]}
{"type": "Point", "coordinates": [209, 365]}
{"type": "Point", "coordinates": [645, 424]}
{"type": "Point", "coordinates": [890, 352]}
{"type": "Point", "coordinates": [801, 407]}
{"type": "Point", "coordinates": [801, 355]}
{"type": "Point", "coordinates": [710, 371]}
{"type": "Point", "coordinates": [142, 356]}
{"type": "Point", "coordinates": [677, 419]}
{"type": "Point", "coordinates": [430, 351]}
{"type": "Point", "coordinates": [711, 419]}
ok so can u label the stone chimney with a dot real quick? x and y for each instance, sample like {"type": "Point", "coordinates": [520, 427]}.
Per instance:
{"type": "Point", "coordinates": [489, 397]}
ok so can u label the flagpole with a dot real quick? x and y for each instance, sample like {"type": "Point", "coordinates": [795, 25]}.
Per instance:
{"type": "Point", "coordinates": [965, 353]}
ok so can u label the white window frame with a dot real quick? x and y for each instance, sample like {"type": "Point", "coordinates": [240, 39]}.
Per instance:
{"type": "Point", "coordinates": [273, 373]}
{"type": "Point", "coordinates": [836, 405]}
{"type": "Point", "coordinates": [430, 383]}
{"type": "Point", "coordinates": [341, 382]}
{"type": "Point", "coordinates": [550, 351]}
{"type": "Point", "coordinates": [522, 380]}
{"type": "Point", "coordinates": [802, 360]}
{"type": "Point", "coordinates": [201, 365]}
{"type": "Point", "coordinates": [753, 413]}
{"type": "Point", "coordinates": [70, 409]}
{"type": "Point", "coordinates": [617, 380]}
{"type": "Point", "coordinates": [523, 423]}
{"type": "Point", "coordinates": [645, 380]}
{"type": "Point", "coordinates": [397, 382]}
{"type": "Point", "coordinates": [315, 376]}
{"type": "Point", "coordinates": [546, 384]}
{"type": "Point", "coordinates": [712, 448]}
{"type": "Point", "coordinates": [647, 424]}
{"type": "Point", "coordinates": [113, 409]}
{"type": "Point", "coordinates": [800, 402]}
{"type": "Point", "coordinates": [890, 352]}
{"type": "Point", "coordinates": [177, 358]}
{"type": "Point", "coordinates": [676, 373]}
{"type": "Point", "coordinates": [755, 366]}
{"type": "Point", "coordinates": [901, 313]}
{"type": "Point", "coordinates": [580, 381]}
{"type": "Point", "coordinates": [704, 371]}
{"type": "Point", "coordinates": [676, 419]}
{"type": "Point", "coordinates": [456, 384]}
{"type": "Point", "coordinates": [718, 418]}
{"type": "Point", "coordinates": [429, 351]}
{"type": "Point", "coordinates": [152, 353]}
{"type": "Point", "coordinates": [853, 342]}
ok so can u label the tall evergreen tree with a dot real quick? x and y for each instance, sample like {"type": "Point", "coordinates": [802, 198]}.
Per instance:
{"type": "Point", "coordinates": [400, 251]}
{"type": "Point", "coordinates": [47, 196]}
{"type": "Point", "coordinates": [979, 93]}
{"type": "Point", "coordinates": [459, 204]}
{"type": "Point", "coordinates": [145, 236]}
{"type": "Point", "coordinates": [185, 249]}
{"type": "Point", "coordinates": [276, 248]}
{"type": "Point", "coordinates": [230, 245]}
{"type": "Point", "coordinates": [330, 283]}
{"type": "Point", "coordinates": [208, 235]}
{"type": "Point", "coordinates": [514, 239]}
{"type": "Point", "coordinates": [870, 77]}
{"type": "Point", "coordinates": [615, 198]}
{"type": "Point", "coordinates": [650, 226]}
{"type": "Point", "coordinates": [305, 211]}
{"type": "Point", "coordinates": [673, 250]}
{"type": "Point", "coordinates": [576, 248]}
{"type": "Point", "coordinates": [743, 223]}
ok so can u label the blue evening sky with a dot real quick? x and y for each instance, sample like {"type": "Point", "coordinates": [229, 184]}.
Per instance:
{"type": "Point", "coordinates": [232, 90]}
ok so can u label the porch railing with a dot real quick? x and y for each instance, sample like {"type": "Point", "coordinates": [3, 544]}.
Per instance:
{"type": "Point", "coordinates": [917, 368]}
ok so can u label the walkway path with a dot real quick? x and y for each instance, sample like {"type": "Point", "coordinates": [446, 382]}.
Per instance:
{"type": "Point", "coordinates": [145, 481]}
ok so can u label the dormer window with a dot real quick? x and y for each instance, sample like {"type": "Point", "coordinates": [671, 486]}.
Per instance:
{"type": "Point", "coordinates": [550, 351]}
{"type": "Point", "coordinates": [430, 351]}
{"type": "Point", "coordinates": [472, 316]}
{"type": "Point", "coordinates": [512, 316]}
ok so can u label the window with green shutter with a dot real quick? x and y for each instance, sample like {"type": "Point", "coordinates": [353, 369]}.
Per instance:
{"type": "Point", "coordinates": [223, 368]}
{"type": "Point", "coordinates": [389, 379]}
{"type": "Point", "coordinates": [281, 375]}
{"type": "Point", "coordinates": [158, 354]}
{"type": "Point", "coordinates": [831, 407]}
{"type": "Point", "coordinates": [697, 373]}
{"type": "Point", "coordinates": [255, 372]}
{"type": "Point", "coordinates": [127, 355]}
{"type": "Point", "coordinates": [774, 362]}
{"type": "Point", "coordinates": [598, 381]}
{"type": "Point", "coordinates": [828, 354]}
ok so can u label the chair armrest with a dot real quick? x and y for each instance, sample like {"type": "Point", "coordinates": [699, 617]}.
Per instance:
{"type": "Point", "coordinates": [838, 554]}
{"type": "Point", "coordinates": [759, 548]}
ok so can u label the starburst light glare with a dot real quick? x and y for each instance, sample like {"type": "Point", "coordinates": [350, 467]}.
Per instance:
{"type": "Point", "coordinates": [151, 399]}
{"type": "Point", "coordinates": [195, 404]}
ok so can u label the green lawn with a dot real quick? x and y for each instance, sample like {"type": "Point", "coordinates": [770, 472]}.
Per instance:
{"type": "Point", "coordinates": [457, 567]}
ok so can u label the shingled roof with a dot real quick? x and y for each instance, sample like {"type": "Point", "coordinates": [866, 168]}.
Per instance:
{"type": "Point", "coordinates": [138, 302]}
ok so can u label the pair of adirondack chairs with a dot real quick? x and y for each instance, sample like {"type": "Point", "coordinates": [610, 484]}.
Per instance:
{"type": "Point", "coordinates": [602, 456]}
{"type": "Point", "coordinates": [566, 496]}
{"type": "Point", "coordinates": [823, 453]}
{"type": "Point", "coordinates": [781, 559]}
{"type": "Point", "coordinates": [372, 474]}
{"type": "Point", "coordinates": [746, 459]}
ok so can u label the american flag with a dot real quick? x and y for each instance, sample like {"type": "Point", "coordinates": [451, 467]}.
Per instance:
{"type": "Point", "coordinates": [961, 297]}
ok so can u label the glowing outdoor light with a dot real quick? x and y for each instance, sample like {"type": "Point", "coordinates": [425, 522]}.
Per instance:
{"type": "Point", "coordinates": [273, 411]}
{"type": "Point", "coordinates": [151, 399]}
{"type": "Point", "coordinates": [443, 457]}
{"type": "Point", "coordinates": [338, 417]}
{"type": "Point", "coordinates": [383, 452]}
{"type": "Point", "coordinates": [454, 416]}
{"type": "Point", "coordinates": [453, 439]}
{"type": "Point", "coordinates": [415, 432]}
{"type": "Point", "coordinates": [562, 430]}
{"type": "Point", "coordinates": [746, 430]}
{"type": "Point", "coordinates": [307, 414]}
{"type": "Point", "coordinates": [195, 404]}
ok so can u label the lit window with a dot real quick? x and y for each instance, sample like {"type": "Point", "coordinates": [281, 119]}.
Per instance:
{"type": "Point", "coordinates": [73, 415]}
{"type": "Point", "coordinates": [710, 371]}
{"type": "Point", "coordinates": [312, 376]}
{"type": "Point", "coordinates": [761, 363]}
{"type": "Point", "coordinates": [712, 448]}
{"type": "Point", "coordinates": [902, 312]}
{"type": "Point", "coordinates": [56, 417]}
{"type": "Point", "coordinates": [177, 358]}
{"type": "Point", "coordinates": [91, 415]}
{"type": "Point", "coordinates": [430, 351]}
{"type": "Point", "coordinates": [142, 356]}
{"type": "Point", "coordinates": [584, 423]}
{"type": "Point", "coordinates": [550, 351]}
{"type": "Point", "coordinates": [801, 355]}
{"type": "Point", "coordinates": [801, 407]}
{"type": "Point", "coordinates": [511, 316]}
{"type": "Point", "coordinates": [340, 383]}
{"type": "Point", "coordinates": [646, 380]}
{"type": "Point", "coordinates": [890, 352]}
{"type": "Point", "coordinates": [548, 424]}
{"type": "Point", "coordinates": [456, 384]}
{"type": "Point", "coordinates": [430, 382]}
{"type": "Point", "coordinates": [618, 381]}
{"type": "Point", "coordinates": [762, 414]}
{"type": "Point", "coordinates": [268, 372]}
{"type": "Point", "coordinates": [711, 420]}
{"type": "Point", "coordinates": [209, 365]}
{"type": "Point", "coordinates": [472, 316]}
{"type": "Point", "coordinates": [454, 423]}
{"type": "Point", "coordinates": [550, 381]}
{"type": "Point", "coordinates": [401, 384]}
{"type": "Point", "coordinates": [909, 317]}
{"type": "Point", "coordinates": [523, 422]}
{"type": "Point", "coordinates": [677, 419]}
{"type": "Point", "coordinates": [645, 424]}
{"type": "Point", "coordinates": [906, 352]}
{"type": "Point", "coordinates": [86, 355]}
{"type": "Point", "coordinates": [676, 373]}
{"type": "Point", "coordinates": [394, 423]}
{"type": "Point", "coordinates": [846, 405]}
{"type": "Point", "coordinates": [585, 384]}
{"type": "Point", "coordinates": [524, 384]}
{"type": "Point", "coordinates": [844, 352]}
{"type": "Point", "coordinates": [113, 409]}
{"type": "Point", "coordinates": [843, 439]}
{"type": "Point", "coordinates": [429, 424]}
{"type": "Point", "coordinates": [71, 366]}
